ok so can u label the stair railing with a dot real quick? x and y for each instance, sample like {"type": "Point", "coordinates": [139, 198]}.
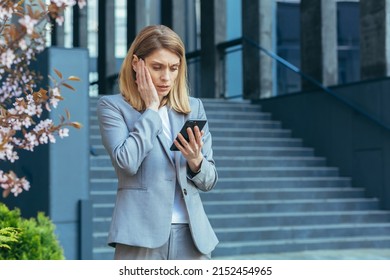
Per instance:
{"type": "Point", "coordinates": [223, 51]}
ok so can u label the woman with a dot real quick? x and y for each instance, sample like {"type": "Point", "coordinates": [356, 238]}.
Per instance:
{"type": "Point", "coordinates": [158, 212]}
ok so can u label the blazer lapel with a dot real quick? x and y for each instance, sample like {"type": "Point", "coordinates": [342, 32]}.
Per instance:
{"type": "Point", "coordinates": [176, 121]}
{"type": "Point", "coordinates": [164, 141]}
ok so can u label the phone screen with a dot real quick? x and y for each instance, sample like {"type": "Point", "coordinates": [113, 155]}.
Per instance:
{"type": "Point", "coordinates": [183, 131]}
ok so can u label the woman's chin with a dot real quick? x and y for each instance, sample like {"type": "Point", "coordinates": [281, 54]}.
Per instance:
{"type": "Point", "coordinates": [163, 94]}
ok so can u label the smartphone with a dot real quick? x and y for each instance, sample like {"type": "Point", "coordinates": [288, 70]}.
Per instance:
{"type": "Point", "coordinates": [183, 131]}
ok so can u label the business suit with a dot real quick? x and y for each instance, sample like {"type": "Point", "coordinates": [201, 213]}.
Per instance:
{"type": "Point", "coordinates": [147, 175]}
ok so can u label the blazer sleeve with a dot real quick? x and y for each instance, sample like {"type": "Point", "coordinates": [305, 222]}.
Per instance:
{"type": "Point", "coordinates": [207, 177]}
{"type": "Point", "coordinates": [127, 149]}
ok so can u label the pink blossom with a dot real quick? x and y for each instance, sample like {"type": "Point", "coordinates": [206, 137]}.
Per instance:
{"type": "Point", "coordinates": [3, 178]}
{"type": "Point", "coordinates": [25, 184]}
{"type": "Point", "coordinates": [12, 156]}
{"type": "Point", "coordinates": [23, 44]}
{"type": "Point", "coordinates": [60, 20]}
{"type": "Point", "coordinates": [54, 101]}
{"type": "Point", "coordinates": [26, 122]}
{"type": "Point", "coordinates": [82, 3]}
{"type": "Point", "coordinates": [43, 139]}
{"type": "Point", "coordinates": [7, 58]}
{"type": "Point", "coordinates": [29, 23]}
{"type": "Point", "coordinates": [56, 91]}
{"type": "Point", "coordinates": [5, 13]}
{"type": "Point", "coordinates": [16, 190]}
{"type": "Point", "coordinates": [31, 141]}
{"type": "Point", "coordinates": [52, 139]}
{"type": "Point", "coordinates": [64, 132]}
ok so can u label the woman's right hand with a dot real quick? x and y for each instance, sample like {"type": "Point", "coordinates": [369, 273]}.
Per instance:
{"type": "Point", "coordinates": [145, 84]}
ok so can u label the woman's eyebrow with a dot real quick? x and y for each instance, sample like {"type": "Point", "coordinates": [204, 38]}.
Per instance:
{"type": "Point", "coordinates": [160, 63]}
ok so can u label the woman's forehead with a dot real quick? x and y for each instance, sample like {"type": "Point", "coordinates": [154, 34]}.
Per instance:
{"type": "Point", "coordinates": [163, 56]}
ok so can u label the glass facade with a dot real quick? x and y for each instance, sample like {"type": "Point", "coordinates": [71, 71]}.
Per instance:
{"type": "Point", "coordinates": [287, 40]}
{"type": "Point", "coordinates": [233, 59]}
{"type": "Point", "coordinates": [288, 44]}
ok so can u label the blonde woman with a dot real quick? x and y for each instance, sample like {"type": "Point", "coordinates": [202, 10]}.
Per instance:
{"type": "Point", "coordinates": [158, 212]}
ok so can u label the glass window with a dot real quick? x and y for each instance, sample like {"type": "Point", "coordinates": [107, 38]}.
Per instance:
{"type": "Point", "coordinates": [120, 28]}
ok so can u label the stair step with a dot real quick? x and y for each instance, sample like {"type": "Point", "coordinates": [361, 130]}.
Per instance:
{"type": "Point", "coordinates": [211, 105]}
{"type": "Point", "coordinates": [220, 194]}
{"type": "Point", "coordinates": [236, 152]}
{"type": "Point", "coordinates": [103, 253]}
{"type": "Point", "coordinates": [263, 151]}
{"type": "Point", "coordinates": [283, 182]}
{"type": "Point", "coordinates": [253, 132]}
{"type": "Point", "coordinates": [297, 218]}
{"type": "Point", "coordinates": [217, 124]}
{"type": "Point", "coordinates": [293, 205]}
{"type": "Point", "coordinates": [257, 182]}
{"type": "Point", "coordinates": [95, 141]}
{"type": "Point", "coordinates": [264, 161]}
{"type": "Point", "coordinates": [244, 141]}
{"type": "Point", "coordinates": [103, 184]}
{"type": "Point", "coordinates": [213, 124]}
{"type": "Point", "coordinates": [243, 172]}
{"type": "Point", "coordinates": [248, 116]}
{"type": "Point", "coordinates": [300, 232]}
{"type": "Point", "coordinates": [103, 196]}
{"type": "Point", "coordinates": [250, 161]}
{"type": "Point", "coordinates": [231, 107]}
{"type": "Point", "coordinates": [250, 247]}
{"type": "Point", "coordinates": [277, 171]}
{"type": "Point", "coordinates": [273, 194]}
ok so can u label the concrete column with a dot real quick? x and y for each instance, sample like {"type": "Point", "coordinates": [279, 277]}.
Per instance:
{"type": "Point", "coordinates": [213, 31]}
{"type": "Point", "coordinates": [257, 29]}
{"type": "Point", "coordinates": [374, 38]}
{"type": "Point", "coordinates": [80, 27]}
{"type": "Point", "coordinates": [179, 22]}
{"type": "Point", "coordinates": [166, 13]}
{"type": "Point", "coordinates": [106, 45]}
{"type": "Point", "coordinates": [131, 22]}
{"type": "Point", "coordinates": [57, 34]}
{"type": "Point", "coordinates": [148, 12]}
{"type": "Point", "coordinates": [173, 15]}
{"type": "Point", "coordinates": [319, 42]}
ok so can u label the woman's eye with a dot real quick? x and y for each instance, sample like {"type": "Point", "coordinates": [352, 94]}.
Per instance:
{"type": "Point", "coordinates": [174, 68]}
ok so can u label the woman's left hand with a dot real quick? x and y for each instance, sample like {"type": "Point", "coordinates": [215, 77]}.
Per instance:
{"type": "Point", "coordinates": [192, 149]}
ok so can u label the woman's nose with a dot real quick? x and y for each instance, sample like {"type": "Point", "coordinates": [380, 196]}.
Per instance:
{"type": "Point", "coordinates": [165, 75]}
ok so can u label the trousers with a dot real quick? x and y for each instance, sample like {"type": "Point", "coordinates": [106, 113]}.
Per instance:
{"type": "Point", "coordinates": [180, 246]}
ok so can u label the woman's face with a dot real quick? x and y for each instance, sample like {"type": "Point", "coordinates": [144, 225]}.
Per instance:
{"type": "Point", "coordinates": [163, 66]}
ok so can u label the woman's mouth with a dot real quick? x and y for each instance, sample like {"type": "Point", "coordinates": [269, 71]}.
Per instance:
{"type": "Point", "coordinates": [163, 88]}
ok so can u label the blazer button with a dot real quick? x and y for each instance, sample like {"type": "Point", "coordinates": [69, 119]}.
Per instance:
{"type": "Point", "coordinates": [185, 192]}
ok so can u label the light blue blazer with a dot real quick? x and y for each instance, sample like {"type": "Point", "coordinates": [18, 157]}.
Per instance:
{"type": "Point", "coordinates": [147, 175]}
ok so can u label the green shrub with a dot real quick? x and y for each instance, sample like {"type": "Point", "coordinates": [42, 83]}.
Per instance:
{"type": "Point", "coordinates": [36, 239]}
{"type": "Point", "coordinates": [7, 236]}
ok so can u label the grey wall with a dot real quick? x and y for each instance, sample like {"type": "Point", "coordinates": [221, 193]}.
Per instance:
{"type": "Point", "coordinates": [349, 140]}
{"type": "Point", "coordinates": [69, 157]}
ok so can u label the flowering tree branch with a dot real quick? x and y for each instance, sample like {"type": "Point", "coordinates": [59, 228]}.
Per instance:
{"type": "Point", "coordinates": [22, 125]}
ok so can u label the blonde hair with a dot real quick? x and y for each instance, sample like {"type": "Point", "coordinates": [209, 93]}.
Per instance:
{"type": "Point", "coordinates": [148, 40]}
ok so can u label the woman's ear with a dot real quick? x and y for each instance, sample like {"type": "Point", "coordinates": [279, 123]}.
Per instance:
{"type": "Point", "coordinates": [134, 62]}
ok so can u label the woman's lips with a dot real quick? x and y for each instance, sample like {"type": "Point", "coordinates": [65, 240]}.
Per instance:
{"type": "Point", "coordinates": [163, 87]}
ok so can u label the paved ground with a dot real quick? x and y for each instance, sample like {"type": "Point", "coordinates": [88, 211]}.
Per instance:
{"type": "Point", "coordinates": [355, 254]}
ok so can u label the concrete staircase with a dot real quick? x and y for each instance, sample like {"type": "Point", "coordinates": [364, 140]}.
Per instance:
{"type": "Point", "coordinates": [273, 195]}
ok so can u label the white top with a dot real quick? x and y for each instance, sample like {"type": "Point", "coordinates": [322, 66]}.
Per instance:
{"type": "Point", "coordinates": [179, 213]}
